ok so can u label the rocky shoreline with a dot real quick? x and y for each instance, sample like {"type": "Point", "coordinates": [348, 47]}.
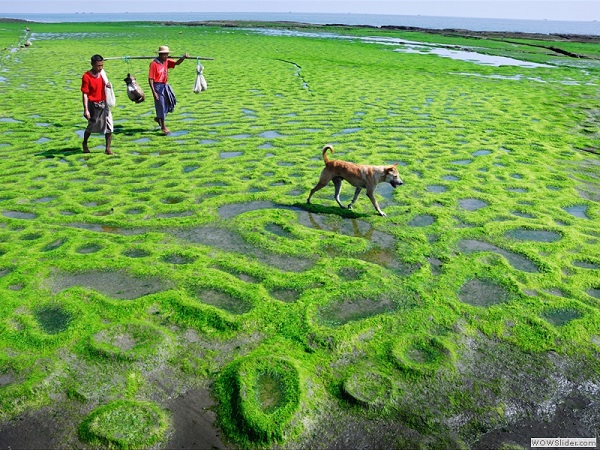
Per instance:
{"type": "Point", "coordinates": [499, 35]}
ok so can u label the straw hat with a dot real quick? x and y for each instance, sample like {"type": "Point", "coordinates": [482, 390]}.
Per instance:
{"type": "Point", "coordinates": [163, 49]}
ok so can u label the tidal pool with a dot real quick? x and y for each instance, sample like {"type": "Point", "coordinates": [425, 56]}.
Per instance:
{"type": "Point", "coordinates": [560, 317]}
{"type": "Point", "coordinates": [517, 261]}
{"type": "Point", "coordinates": [523, 234]}
{"type": "Point", "coordinates": [228, 240]}
{"type": "Point", "coordinates": [19, 215]}
{"type": "Point", "coordinates": [484, 293]}
{"type": "Point", "coordinates": [113, 284]}
{"type": "Point", "coordinates": [88, 249]}
{"type": "Point", "coordinates": [471, 204]}
{"type": "Point", "coordinates": [224, 301]}
{"type": "Point", "coordinates": [271, 394]}
{"type": "Point", "coordinates": [341, 312]}
{"type": "Point", "coordinates": [424, 220]}
{"type": "Point", "coordinates": [54, 245]}
{"type": "Point", "coordinates": [586, 265]}
{"type": "Point", "coordinates": [579, 211]}
{"type": "Point", "coordinates": [53, 318]}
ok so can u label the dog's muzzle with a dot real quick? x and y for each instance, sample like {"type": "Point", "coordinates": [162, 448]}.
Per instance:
{"type": "Point", "coordinates": [396, 183]}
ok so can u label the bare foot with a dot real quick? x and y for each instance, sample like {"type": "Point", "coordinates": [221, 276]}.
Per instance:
{"type": "Point", "coordinates": [166, 131]}
{"type": "Point", "coordinates": [108, 151]}
{"type": "Point", "coordinates": [85, 148]}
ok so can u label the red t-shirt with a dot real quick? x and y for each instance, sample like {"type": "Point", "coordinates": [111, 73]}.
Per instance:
{"type": "Point", "coordinates": [93, 87]}
{"type": "Point", "coordinates": [160, 72]}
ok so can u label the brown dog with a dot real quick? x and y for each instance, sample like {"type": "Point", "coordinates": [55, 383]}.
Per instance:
{"type": "Point", "coordinates": [358, 175]}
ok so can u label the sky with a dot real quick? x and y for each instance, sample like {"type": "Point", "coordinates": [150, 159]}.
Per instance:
{"type": "Point", "coordinates": [571, 10]}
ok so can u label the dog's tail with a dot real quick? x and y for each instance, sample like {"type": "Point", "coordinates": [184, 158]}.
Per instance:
{"type": "Point", "coordinates": [325, 158]}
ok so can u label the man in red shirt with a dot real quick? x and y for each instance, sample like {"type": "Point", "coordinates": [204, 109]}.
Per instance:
{"type": "Point", "coordinates": [158, 74]}
{"type": "Point", "coordinates": [95, 109]}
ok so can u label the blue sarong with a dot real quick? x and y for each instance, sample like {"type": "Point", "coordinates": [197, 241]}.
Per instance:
{"type": "Point", "coordinates": [166, 100]}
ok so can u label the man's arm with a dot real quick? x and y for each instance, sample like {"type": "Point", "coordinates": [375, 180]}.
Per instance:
{"type": "Point", "coordinates": [183, 58]}
{"type": "Point", "coordinates": [151, 83]}
{"type": "Point", "coordinates": [85, 100]}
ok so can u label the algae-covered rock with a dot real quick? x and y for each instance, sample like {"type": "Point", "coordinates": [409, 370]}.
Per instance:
{"type": "Point", "coordinates": [125, 424]}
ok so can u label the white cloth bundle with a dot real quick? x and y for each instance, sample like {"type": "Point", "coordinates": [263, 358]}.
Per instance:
{"type": "Point", "coordinates": [111, 101]}
{"type": "Point", "coordinates": [200, 84]}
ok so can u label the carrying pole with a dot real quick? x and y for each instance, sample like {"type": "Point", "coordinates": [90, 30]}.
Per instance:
{"type": "Point", "coordinates": [153, 57]}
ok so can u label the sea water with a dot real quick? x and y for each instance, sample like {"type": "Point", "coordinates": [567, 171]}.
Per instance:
{"type": "Point", "coordinates": [376, 20]}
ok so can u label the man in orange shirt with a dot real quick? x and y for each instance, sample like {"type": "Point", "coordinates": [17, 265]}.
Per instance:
{"type": "Point", "coordinates": [95, 109]}
{"type": "Point", "coordinates": [164, 97]}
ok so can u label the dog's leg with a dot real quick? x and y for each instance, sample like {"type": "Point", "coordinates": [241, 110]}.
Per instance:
{"type": "Point", "coordinates": [337, 182]}
{"type": "Point", "coordinates": [323, 180]}
{"type": "Point", "coordinates": [371, 196]}
{"type": "Point", "coordinates": [357, 192]}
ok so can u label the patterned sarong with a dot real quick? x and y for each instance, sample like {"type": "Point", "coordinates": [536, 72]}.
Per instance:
{"type": "Point", "coordinates": [101, 120]}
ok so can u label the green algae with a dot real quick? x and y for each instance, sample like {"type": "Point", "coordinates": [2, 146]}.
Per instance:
{"type": "Point", "coordinates": [125, 424]}
{"type": "Point", "coordinates": [206, 233]}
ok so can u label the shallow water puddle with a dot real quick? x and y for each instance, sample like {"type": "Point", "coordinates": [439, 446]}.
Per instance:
{"type": "Point", "coordinates": [348, 227]}
{"type": "Point", "coordinates": [19, 215]}
{"type": "Point", "coordinates": [560, 317]}
{"type": "Point", "coordinates": [450, 178]}
{"type": "Point", "coordinates": [471, 204]}
{"type": "Point", "coordinates": [385, 257]}
{"type": "Point", "coordinates": [6, 379]}
{"type": "Point", "coordinates": [178, 133]}
{"type": "Point", "coordinates": [517, 261]}
{"type": "Point", "coordinates": [586, 265]}
{"type": "Point", "coordinates": [579, 211]}
{"type": "Point", "coordinates": [230, 241]}
{"type": "Point", "coordinates": [523, 234]}
{"type": "Point", "coordinates": [285, 295]}
{"type": "Point", "coordinates": [113, 284]}
{"type": "Point", "coordinates": [88, 249]}
{"type": "Point", "coordinates": [224, 301]}
{"type": "Point", "coordinates": [594, 292]}
{"type": "Point", "coordinates": [271, 135]}
{"type": "Point", "coordinates": [423, 220]}
{"type": "Point", "coordinates": [235, 209]}
{"type": "Point", "coordinates": [53, 319]}
{"type": "Point", "coordinates": [270, 392]}
{"type": "Point", "coordinates": [350, 310]}
{"type": "Point", "coordinates": [227, 155]}
{"type": "Point", "coordinates": [172, 200]}
{"type": "Point", "coordinates": [468, 54]}
{"type": "Point", "coordinates": [54, 245]}
{"type": "Point", "coordinates": [483, 293]}
{"type": "Point", "coordinates": [436, 188]}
